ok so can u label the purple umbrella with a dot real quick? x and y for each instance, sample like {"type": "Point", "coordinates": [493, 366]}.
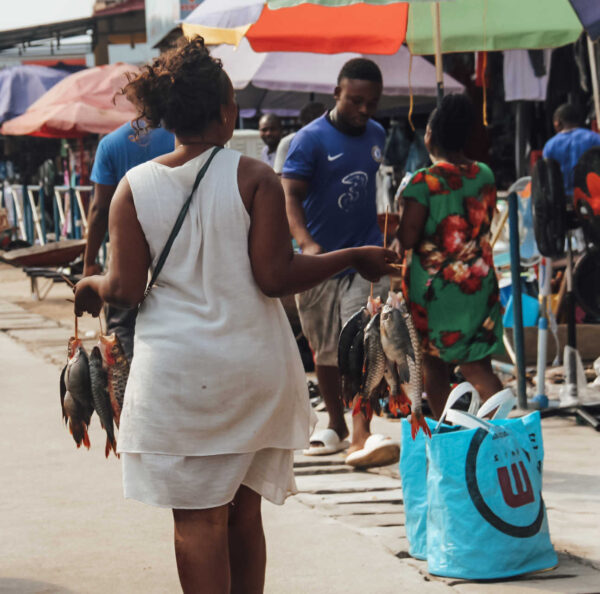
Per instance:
{"type": "Point", "coordinates": [20, 86]}
{"type": "Point", "coordinates": [588, 12]}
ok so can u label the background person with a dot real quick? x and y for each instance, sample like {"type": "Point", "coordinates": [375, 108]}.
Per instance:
{"type": "Point", "coordinates": [329, 182]}
{"type": "Point", "coordinates": [269, 128]}
{"type": "Point", "coordinates": [308, 113]}
{"type": "Point", "coordinates": [216, 400]}
{"type": "Point", "coordinates": [569, 143]}
{"type": "Point", "coordinates": [116, 154]}
{"type": "Point", "coordinates": [452, 286]}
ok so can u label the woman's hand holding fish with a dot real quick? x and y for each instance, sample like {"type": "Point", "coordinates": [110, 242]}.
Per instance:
{"type": "Point", "coordinates": [374, 262]}
{"type": "Point", "coordinates": [86, 296]}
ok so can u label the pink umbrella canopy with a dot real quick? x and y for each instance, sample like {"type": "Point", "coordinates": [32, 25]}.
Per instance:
{"type": "Point", "coordinates": [86, 102]}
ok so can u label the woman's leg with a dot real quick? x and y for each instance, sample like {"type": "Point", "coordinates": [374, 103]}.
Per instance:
{"type": "Point", "coordinates": [247, 548]}
{"type": "Point", "coordinates": [437, 383]}
{"type": "Point", "coordinates": [201, 550]}
{"type": "Point", "coordinates": [482, 376]}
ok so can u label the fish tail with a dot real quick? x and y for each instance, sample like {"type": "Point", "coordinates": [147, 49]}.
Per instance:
{"type": "Point", "coordinates": [111, 444]}
{"type": "Point", "coordinates": [417, 421]}
{"type": "Point", "coordinates": [404, 402]}
{"type": "Point", "coordinates": [75, 431]}
{"type": "Point", "coordinates": [400, 403]}
{"type": "Point", "coordinates": [396, 406]}
{"type": "Point", "coordinates": [86, 439]}
{"type": "Point", "coordinates": [357, 405]}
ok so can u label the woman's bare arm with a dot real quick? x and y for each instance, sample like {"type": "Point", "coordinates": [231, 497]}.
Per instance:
{"type": "Point", "coordinates": [125, 282]}
{"type": "Point", "coordinates": [277, 270]}
{"type": "Point", "coordinates": [412, 224]}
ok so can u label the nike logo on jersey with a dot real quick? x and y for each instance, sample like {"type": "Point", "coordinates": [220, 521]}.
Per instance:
{"type": "Point", "coordinates": [334, 157]}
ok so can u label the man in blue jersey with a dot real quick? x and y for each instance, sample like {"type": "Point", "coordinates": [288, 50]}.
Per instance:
{"type": "Point", "coordinates": [570, 142]}
{"type": "Point", "coordinates": [117, 153]}
{"type": "Point", "coordinates": [329, 183]}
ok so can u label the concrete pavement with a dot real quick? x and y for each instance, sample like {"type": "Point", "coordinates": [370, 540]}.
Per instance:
{"type": "Point", "coordinates": [65, 527]}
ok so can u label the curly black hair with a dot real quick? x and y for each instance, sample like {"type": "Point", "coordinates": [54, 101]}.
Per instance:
{"type": "Point", "coordinates": [182, 90]}
{"type": "Point", "coordinates": [452, 122]}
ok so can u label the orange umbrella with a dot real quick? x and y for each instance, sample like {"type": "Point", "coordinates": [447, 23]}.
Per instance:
{"type": "Point", "coordinates": [307, 28]}
{"type": "Point", "coordinates": [82, 103]}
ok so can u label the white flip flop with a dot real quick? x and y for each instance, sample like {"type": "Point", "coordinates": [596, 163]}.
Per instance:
{"type": "Point", "coordinates": [378, 450]}
{"type": "Point", "coordinates": [332, 444]}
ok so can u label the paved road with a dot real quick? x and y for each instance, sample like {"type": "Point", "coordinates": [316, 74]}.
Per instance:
{"type": "Point", "coordinates": [66, 528]}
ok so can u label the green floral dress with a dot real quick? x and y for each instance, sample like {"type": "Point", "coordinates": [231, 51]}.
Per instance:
{"type": "Point", "coordinates": [451, 281]}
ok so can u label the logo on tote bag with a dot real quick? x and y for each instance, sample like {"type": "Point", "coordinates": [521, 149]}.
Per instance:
{"type": "Point", "coordinates": [524, 491]}
{"type": "Point", "coordinates": [515, 497]}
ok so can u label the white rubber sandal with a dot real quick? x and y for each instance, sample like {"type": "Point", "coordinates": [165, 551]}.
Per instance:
{"type": "Point", "coordinates": [332, 444]}
{"type": "Point", "coordinates": [378, 450]}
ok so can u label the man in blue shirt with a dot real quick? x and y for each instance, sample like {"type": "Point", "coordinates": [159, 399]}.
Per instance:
{"type": "Point", "coordinates": [570, 142]}
{"type": "Point", "coordinates": [329, 183]}
{"type": "Point", "coordinates": [117, 153]}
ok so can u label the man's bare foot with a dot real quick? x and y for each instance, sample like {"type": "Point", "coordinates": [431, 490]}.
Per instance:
{"type": "Point", "coordinates": [358, 442]}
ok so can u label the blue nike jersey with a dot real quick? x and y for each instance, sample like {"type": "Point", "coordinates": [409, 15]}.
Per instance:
{"type": "Point", "coordinates": [340, 206]}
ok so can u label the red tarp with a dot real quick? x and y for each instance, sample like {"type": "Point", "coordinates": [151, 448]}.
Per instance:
{"type": "Point", "coordinates": [83, 103]}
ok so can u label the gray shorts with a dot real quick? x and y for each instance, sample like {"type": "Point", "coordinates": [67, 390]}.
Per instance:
{"type": "Point", "coordinates": [324, 310]}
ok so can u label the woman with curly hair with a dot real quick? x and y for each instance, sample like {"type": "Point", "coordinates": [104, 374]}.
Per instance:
{"type": "Point", "coordinates": [452, 285]}
{"type": "Point", "coordinates": [216, 400]}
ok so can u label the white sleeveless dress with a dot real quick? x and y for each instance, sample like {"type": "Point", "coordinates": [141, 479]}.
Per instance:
{"type": "Point", "coordinates": [217, 394]}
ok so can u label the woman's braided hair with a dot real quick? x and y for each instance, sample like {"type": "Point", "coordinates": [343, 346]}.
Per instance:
{"type": "Point", "coordinates": [452, 123]}
{"type": "Point", "coordinates": [182, 90]}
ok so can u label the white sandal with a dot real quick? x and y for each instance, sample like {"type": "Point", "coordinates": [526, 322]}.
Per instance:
{"type": "Point", "coordinates": [332, 444]}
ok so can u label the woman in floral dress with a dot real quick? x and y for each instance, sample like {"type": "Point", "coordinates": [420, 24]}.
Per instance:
{"type": "Point", "coordinates": [451, 282]}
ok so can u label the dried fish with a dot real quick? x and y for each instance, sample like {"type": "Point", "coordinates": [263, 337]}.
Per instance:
{"type": "Point", "coordinates": [101, 399]}
{"type": "Point", "coordinates": [77, 405]}
{"type": "Point", "coordinates": [350, 354]}
{"type": "Point", "coordinates": [117, 366]}
{"type": "Point", "coordinates": [415, 365]}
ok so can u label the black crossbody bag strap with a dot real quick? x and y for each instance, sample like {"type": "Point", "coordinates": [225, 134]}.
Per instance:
{"type": "Point", "coordinates": [184, 209]}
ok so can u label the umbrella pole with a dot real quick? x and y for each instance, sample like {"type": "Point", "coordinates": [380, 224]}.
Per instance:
{"type": "Point", "coordinates": [515, 270]}
{"type": "Point", "coordinates": [594, 73]}
{"type": "Point", "coordinates": [437, 44]}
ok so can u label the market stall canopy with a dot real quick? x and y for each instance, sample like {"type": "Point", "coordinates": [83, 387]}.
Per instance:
{"type": "Point", "coordinates": [20, 86]}
{"type": "Point", "coordinates": [283, 81]}
{"type": "Point", "coordinates": [380, 26]}
{"type": "Point", "coordinates": [306, 28]}
{"type": "Point", "coordinates": [476, 25]}
{"type": "Point", "coordinates": [86, 102]}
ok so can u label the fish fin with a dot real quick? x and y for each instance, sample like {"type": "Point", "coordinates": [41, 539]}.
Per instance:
{"type": "Point", "coordinates": [417, 421]}
{"type": "Point", "coordinates": [363, 406]}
